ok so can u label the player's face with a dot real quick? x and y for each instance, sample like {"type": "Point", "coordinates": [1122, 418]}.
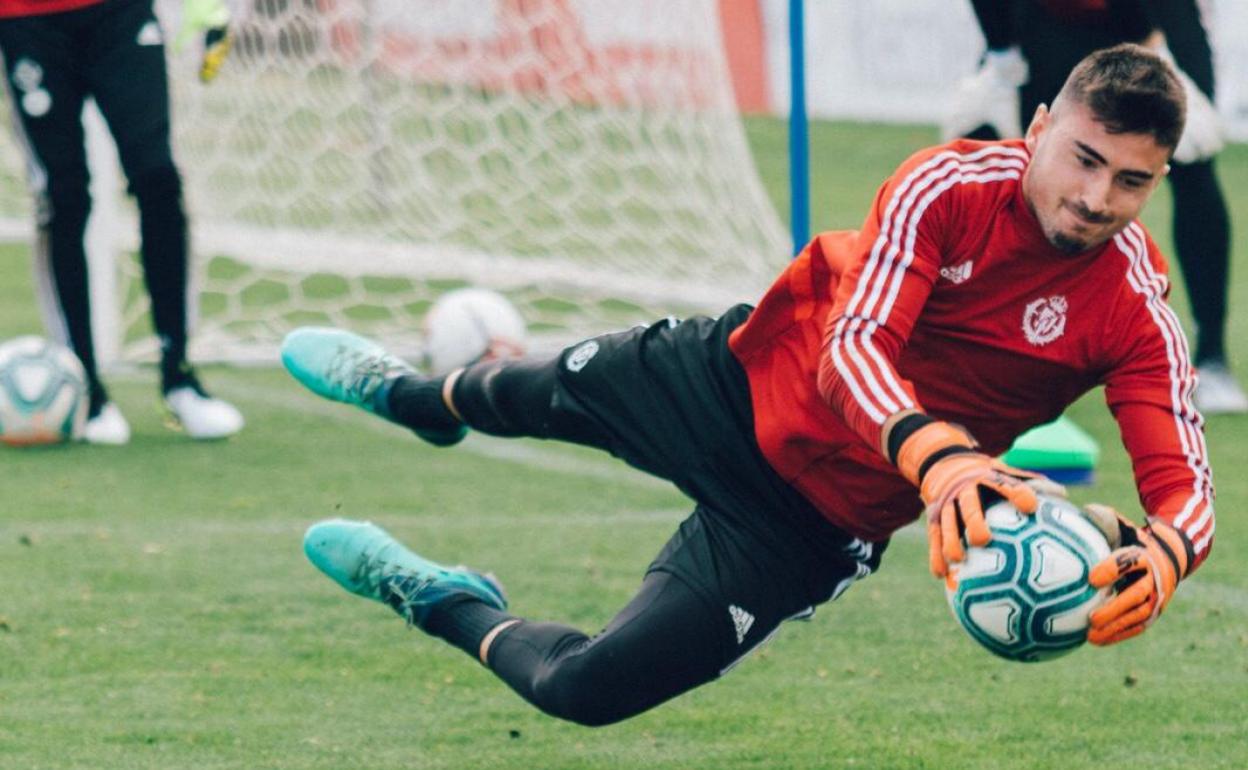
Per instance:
{"type": "Point", "coordinates": [1084, 184]}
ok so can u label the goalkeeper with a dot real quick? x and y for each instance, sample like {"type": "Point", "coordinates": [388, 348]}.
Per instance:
{"type": "Point", "coordinates": [809, 428]}
{"type": "Point", "coordinates": [57, 53]}
{"type": "Point", "coordinates": [1032, 44]}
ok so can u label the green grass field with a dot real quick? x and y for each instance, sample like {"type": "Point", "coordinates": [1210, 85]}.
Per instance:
{"type": "Point", "coordinates": [156, 610]}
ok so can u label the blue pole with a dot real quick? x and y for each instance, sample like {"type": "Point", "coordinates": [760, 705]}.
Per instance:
{"type": "Point", "coordinates": [799, 143]}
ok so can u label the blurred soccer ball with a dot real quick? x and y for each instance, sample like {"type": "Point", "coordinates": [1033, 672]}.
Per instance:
{"type": "Point", "coordinates": [1025, 596]}
{"type": "Point", "coordinates": [43, 392]}
{"type": "Point", "coordinates": [469, 325]}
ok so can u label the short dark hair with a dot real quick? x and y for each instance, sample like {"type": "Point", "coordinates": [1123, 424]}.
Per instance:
{"type": "Point", "coordinates": [1130, 90]}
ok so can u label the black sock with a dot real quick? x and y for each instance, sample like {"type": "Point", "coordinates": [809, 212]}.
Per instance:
{"type": "Point", "coordinates": [461, 620]}
{"type": "Point", "coordinates": [178, 373]}
{"type": "Point", "coordinates": [97, 397]}
{"type": "Point", "coordinates": [416, 402]}
{"type": "Point", "coordinates": [463, 623]}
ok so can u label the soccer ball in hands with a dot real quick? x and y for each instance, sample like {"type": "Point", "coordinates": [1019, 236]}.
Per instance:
{"type": "Point", "coordinates": [469, 325]}
{"type": "Point", "coordinates": [43, 392]}
{"type": "Point", "coordinates": [1025, 596]}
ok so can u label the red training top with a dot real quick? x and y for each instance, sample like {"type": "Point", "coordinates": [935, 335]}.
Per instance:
{"type": "Point", "coordinates": [951, 300]}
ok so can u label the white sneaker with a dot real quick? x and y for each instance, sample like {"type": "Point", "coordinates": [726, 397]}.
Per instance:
{"type": "Point", "coordinates": [107, 427]}
{"type": "Point", "coordinates": [201, 416]}
{"type": "Point", "coordinates": [1218, 392]}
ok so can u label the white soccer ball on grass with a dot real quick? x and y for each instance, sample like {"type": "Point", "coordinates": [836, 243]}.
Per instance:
{"type": "Point", "coordinates": [43, 392]}
{"type": "Point", "coordinates": [469, 325]}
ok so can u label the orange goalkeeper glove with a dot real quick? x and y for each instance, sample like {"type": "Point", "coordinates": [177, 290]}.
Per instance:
{"type": "Point", "coordinates": [951, 475]}
{"type": "Point", "coordinates": [1145, 567]}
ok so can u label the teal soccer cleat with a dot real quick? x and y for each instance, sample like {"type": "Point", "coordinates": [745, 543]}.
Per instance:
{"type": "Point", "coordinates": [342, 366]}
{"type": "Point", "coordinates": [367, 561]}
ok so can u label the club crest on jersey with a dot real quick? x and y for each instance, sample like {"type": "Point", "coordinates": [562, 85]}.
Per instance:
{"type": "Point", "coordinates": [27, 75]}
{"type": "Point", "coordinates": [956, 274]}
{"type": "Point", "coordinates": [28, 80]}
{"type": "Point", "coordinates": [1044, 319]}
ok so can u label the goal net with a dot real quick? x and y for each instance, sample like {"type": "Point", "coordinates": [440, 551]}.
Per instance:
{"type": "Point", "coordinates": [355, 158]}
